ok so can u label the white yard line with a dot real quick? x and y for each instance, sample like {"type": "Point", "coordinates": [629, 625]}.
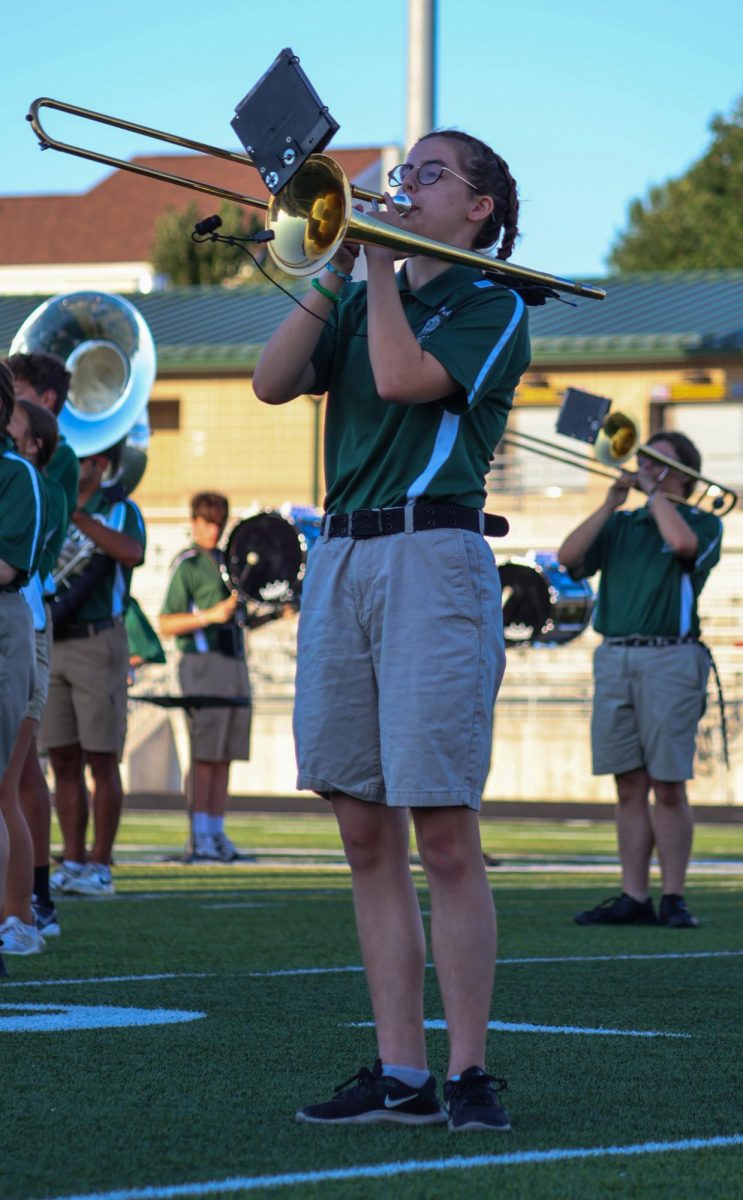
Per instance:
{"type": "Point", "coordinates": [523, 1027]}
{"type": "Point", "coordinates": [504, 962]}
{"type": "Point", "coordinates": [254, 1183]}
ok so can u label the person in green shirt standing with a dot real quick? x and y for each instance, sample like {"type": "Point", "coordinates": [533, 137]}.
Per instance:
{"type": "Point", "coordinates": [43, 379]}
{"type": "Point", "coordinates": [650, 672]}
{"type": "Point", "coordinates": [200, 611]}
{"type": "Point", "coordinates": [85, 717]}
{"type": "Point", "coordinates": [400, 644]}
{"type": "Point", "coordinates": [23, 513]}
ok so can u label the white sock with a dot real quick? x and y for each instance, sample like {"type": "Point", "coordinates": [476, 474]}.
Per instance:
{"type": "Point", "coordinates": [216, 825]}
{"type": "Point", "coordinates": [73, 867]}
{"type": "Point", "coordinates": [413, 1077]}
{"type": "Point", "coordinates": [200, 822]}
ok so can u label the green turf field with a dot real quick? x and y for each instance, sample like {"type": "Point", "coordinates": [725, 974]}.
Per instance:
{"type": "Point", "coordinates": [161, 1045]}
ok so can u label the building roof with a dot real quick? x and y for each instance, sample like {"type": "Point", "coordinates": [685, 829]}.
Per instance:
{"type": "Point", "coordinates": [676, 317]}
{"type": "Point", "coordinates": [115, 220]}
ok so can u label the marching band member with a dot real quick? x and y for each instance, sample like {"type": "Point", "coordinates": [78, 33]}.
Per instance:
{"type": "Point", "coordinates": [22, 524]}
{"type": "Point", "coordinates": [43, 379]}
{"type": "Point", "coordinates": [85, 717]}
{"type": "Point", "coordinates": [650, 672]}
{"type": "Point", "coordinates": [200, 612]}
{"type": "Point", "coordinates": [401, 647]}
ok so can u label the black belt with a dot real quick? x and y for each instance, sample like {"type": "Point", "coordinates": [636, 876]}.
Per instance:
{"type": "Point", "coordinates": [652, 641]}
{"type": "Point", "coordinates": [378, 522]}
{"type": "Point", "coordinates": [84, 631]}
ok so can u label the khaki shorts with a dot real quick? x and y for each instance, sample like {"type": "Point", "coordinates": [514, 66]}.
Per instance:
{"type": "Point", "coordinates": [400, 657]}
{"type": "Point", "coordinates": [43, 639]}
{"type": "Point", "coordinates": [217, 734]}
{"type": "Point", "coordinates": [17, 669]}
{"type": "Point", "coordinates": [87, 693]}
{"type": "Point", "coordinates": [647, 704]}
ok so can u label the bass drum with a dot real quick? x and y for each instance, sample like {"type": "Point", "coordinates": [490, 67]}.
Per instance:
{"type": "Point", "coordinates": [264, 558]}
{"type": "Point", "coordinates": [542, 605]}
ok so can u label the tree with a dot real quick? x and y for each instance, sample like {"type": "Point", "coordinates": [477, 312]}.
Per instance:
{"type": "Point", "coordinates": [694, 222]}
{"type": "Point", "coordinates": [185, 262]}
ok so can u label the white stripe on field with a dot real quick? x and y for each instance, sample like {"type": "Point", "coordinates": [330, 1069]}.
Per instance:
{"type": "Point", "coordinates": [248, 1183]}
{"type": "Point", "coordinates": [502, 962]}
{"type": "Point", "coordinates": [107, 979]}
{"type": "Point", "coordinates": [523, 1027]}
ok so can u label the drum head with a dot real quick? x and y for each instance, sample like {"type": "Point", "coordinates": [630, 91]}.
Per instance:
{"type": "Point", "coordinates": [264, 557]}
{"type": "Point", "coordinates": [526, 602]}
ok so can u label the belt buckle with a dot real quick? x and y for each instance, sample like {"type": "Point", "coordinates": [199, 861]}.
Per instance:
{"type": "Point", "coordinates": [365, 523]}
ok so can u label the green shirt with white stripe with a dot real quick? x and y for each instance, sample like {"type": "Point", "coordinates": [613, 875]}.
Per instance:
{"type": "Point", "coordinates": [23, 509]}
{"type": "Point", "coordinates": [380, 454]}
{"type": "Point", "coordinates": [110, 596]}
{"type": "Point", "coordinates": [196, 584]}
{"type": "Point", "coordinates": [645, 588]}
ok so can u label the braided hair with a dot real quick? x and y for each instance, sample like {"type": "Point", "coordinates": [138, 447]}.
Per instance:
{"type": "Point", "coordinates": [490, 175]}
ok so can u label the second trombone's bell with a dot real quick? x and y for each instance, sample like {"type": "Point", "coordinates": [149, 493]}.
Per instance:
{"type": "Point", "coordinates": [618, 439]}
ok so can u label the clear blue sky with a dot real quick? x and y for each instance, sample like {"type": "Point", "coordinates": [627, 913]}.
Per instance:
{"type": "Point", "coordinates": [590, 101]}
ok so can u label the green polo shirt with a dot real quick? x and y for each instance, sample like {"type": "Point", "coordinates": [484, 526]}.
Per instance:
{"type": "Point", "coordinates": [64, 469]}
{"type": "Point", "coordinates": [56, 524]}
{"type": "Point", "coordinates": [380, 454]}
{"type": "Point", "coordinates": [196, 584]}
{"type": "Point", "coordinates": [110, 597]}
{"type": "Point", "coordinates": [23, 506]}
{"type": "Point", "coordinates": [645, 588]}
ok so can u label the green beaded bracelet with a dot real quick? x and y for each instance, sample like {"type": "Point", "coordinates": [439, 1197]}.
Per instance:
{"type": "Point", "coordinates": [325, 291]}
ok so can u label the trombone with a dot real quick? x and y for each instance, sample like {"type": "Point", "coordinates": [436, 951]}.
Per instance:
{"type": "Point", "coordinates": [312, 214]}
{"type": "Point", "coordinates": [619, 440]}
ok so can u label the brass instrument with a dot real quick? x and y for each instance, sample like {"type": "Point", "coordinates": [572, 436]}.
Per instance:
{"type": "Point", "coordinates": [108, 348]}
{"type": "Point", "coordinates": [619, 440]}
{"type": "Point", "coordinates": [311, 215]}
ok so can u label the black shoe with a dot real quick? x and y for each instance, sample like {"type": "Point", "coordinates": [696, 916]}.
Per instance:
{"type": "Point", "coordinates": [622, 910]}
{"type": "Point", "coordinates": [376, 1098]}
{"type": "Point", "coordinates": [675, 914]}
{"type": "Point", "coordinates": [46, 918]}
{"type": "Point", "coordinates": [472, 1102]}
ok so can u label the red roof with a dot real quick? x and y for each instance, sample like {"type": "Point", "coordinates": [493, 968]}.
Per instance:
{"type": "Point", "coordinates": [115, 221]}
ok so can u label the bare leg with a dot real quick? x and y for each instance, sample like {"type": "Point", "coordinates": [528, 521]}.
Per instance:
{"type": "Point", "coordinates": [218, 790]}
{"type": "Point", "coordinates": [674, 829]}
{"type": "Point", "coordinates": [463, 927]}
{"type": "Point", "coordinates": [36, 805]}
{"type": "Point", "coordinates": [19, 883]}
{"type": "Point", "coordinates": [71, 799]}
{"type": "Point", "coordinates": [389, 924]}
{"type": "Point", "coordinates": [200, 784]}
{"type": "Point", "coordinates": [634, 832]}
{"type": "Point", "coordinates": [107, 804]}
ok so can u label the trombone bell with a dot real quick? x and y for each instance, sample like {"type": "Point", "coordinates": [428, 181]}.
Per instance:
{"type": "Point", "coordinates": [617, 440]}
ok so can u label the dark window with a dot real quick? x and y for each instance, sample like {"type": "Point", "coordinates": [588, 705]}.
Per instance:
{"type": "Point", "coordinates": [165, 414]}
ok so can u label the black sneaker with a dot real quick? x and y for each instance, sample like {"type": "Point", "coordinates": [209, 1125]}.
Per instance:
{"type": "Point", "coordinates": [622, 910]}
{"type": "Point", "coordinates": [472, 1102]}
{"type": "Point", "coordinates": [376, 1098]}
{"type": "Point", "coordinates": [46, 918]}
{"type": "Point", "coordinates": [675, 914]}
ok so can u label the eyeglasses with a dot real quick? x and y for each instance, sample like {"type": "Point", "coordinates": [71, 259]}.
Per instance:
{"type": "Point", "coordinates": [426, 174]}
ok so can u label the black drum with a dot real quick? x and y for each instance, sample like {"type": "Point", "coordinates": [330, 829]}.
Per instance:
{"type": "Point", "coordinates": [542, 605]}
{"type": "Point", "coordinates": [265, 558]}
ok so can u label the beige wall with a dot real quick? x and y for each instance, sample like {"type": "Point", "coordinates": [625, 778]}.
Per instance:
{"type": "Point", "coordinates": [228, 441]}
{"type": "Point", "coordinates": [264, 456]}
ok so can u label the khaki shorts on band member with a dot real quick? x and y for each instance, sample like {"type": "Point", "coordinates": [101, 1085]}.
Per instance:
{"type": "Point", "coordinates": [17, 669]}
{"type": "Point", "coordinates": [400, 656]}
{"type": "Point", "coordinates": [648, 701]}
{"type": "Point", "coordinates": [88, 693]}
{"type": "Point", "coordinates": [217, 734]}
